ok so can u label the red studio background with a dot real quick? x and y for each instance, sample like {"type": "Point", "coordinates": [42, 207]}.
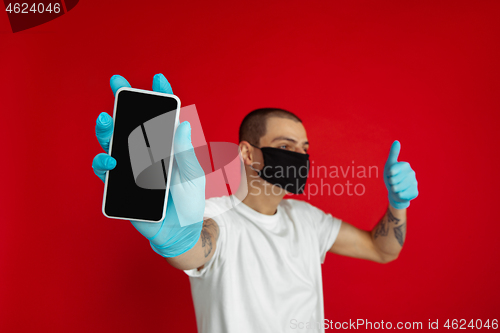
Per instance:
{"type": "Point", "coordinates": [360, 73]}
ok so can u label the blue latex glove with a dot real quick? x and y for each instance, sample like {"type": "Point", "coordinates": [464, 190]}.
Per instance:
{"type": "Point", "coordinates": [399, 179]}
{"type": "Point", "coordinates": [186, 199]}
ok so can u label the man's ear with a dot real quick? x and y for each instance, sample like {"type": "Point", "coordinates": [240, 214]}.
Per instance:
{"type": "Point", "coordinates": [246, 152]}
{"type": "Point", "coordinates": [244, 148]}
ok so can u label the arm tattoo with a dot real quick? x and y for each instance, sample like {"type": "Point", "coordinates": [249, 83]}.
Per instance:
{"type": "Point", "coordinates": [382, 228]}
{"type": "Point", "coordinates": [392, 218]}
{"type": "Point", "coordinates": [400, 233]}
{"type": "Point", "coordinates": [210, 228]}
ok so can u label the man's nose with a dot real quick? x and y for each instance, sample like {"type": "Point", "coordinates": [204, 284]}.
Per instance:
{"type": "Point", "coordinates": [300, 150]}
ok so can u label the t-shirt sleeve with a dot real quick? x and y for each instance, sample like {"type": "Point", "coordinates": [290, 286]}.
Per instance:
{"type": "Point", "coordinates": [214, 211]}
{"type": "Point", "coordinates": [326, 227]}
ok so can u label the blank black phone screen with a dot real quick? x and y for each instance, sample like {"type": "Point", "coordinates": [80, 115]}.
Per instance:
{"type": "Point", "coordinates": [143, 132]}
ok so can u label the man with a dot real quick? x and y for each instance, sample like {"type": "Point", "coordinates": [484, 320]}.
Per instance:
{"type": "Point", "coordinates": [257, 267]}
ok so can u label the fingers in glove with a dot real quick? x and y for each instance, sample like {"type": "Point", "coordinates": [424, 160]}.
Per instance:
{"type": "Point", "coordinates": [104, 130]}
{"type": "Point", "coordinates": [103, 163]}
{"type": "Point", "coordinates": [161, 84]}
{"type": "Point", "coordinates": [116, 82]}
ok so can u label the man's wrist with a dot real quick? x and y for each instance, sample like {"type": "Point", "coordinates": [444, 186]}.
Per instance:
{"type": "Point", "coordinates": [180, 243]}
{"type": "Point", "coordinates": [399, 205]}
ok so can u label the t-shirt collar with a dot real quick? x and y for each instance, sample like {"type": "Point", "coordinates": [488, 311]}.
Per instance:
{"type": "Point", "coordinates": [255, 215]}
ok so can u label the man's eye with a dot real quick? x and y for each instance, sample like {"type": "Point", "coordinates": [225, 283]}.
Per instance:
{"type": "Point", "coordinates": [284, 147]}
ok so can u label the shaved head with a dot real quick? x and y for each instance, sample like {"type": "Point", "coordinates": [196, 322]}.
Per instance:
{"type": "Point", "coordinates": [253, 126]}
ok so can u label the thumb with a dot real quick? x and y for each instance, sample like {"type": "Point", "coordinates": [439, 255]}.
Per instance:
{"type": "Point", "coordinates": [182, 139]}
{"type": "Point", "coordinates": [187, 163]}
{"type": "Point", "coordinates": [394, 153]}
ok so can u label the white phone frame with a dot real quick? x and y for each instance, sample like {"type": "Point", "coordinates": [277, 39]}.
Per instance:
{"type": "Point", "coordinates": [171, 160]}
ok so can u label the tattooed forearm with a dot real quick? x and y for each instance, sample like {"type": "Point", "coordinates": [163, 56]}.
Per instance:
{"type": "Point", "coordinates": [387, 247]}
{"type": "Point", "coordinates": [382, 228]}
{"type": "Point", "coordinates": [400, 233]}
{"type": "Point", "coordinates": [391, 218]}
{"type": "Point", "coordinates": [210, 228]}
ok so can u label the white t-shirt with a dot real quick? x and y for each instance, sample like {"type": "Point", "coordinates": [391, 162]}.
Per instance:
{"type": "Point", "coordinates": [265, 274]}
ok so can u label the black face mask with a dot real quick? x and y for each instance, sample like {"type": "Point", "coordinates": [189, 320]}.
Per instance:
{"type": "Point", "coordinates": [284, 168]}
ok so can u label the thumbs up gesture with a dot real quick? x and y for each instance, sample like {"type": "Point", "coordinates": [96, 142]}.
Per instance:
{"type": "Point", "coordinates": [400, 179]}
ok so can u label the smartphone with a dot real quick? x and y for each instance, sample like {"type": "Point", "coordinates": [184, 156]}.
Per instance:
{"type": "Point", "coordinates": [144, 124]}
